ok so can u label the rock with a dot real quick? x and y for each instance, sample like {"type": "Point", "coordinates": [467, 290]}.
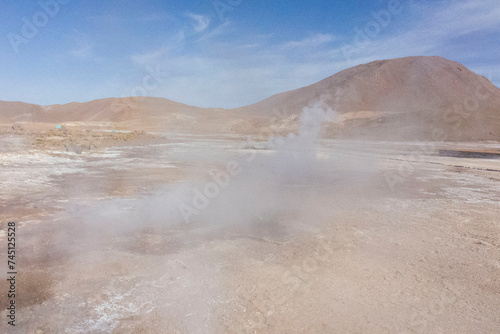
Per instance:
{"type": "Point", "coordinates": [78, 149]}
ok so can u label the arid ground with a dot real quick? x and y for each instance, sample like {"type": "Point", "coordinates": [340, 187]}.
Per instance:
{"type": "Point", "coordinates": [113, 235]}
{"type": "Point", "coordinates": [365, 203]}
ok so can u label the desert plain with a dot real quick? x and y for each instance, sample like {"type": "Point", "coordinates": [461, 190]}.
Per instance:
{"type": "Point", "coordinates": [319, 217]}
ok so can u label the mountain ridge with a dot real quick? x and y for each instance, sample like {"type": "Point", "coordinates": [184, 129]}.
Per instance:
{"type": "Point", "coordinates": [403, 98]}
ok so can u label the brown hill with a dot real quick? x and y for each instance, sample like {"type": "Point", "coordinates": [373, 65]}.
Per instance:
{"type": "Point", "coordinates": [406, 98]}
{"type": "Point", "coordinates": [132, 112]}
{"type": "Point", "coordinates": [110, 110]}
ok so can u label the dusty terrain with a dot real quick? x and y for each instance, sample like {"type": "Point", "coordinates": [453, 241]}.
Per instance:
{"type": "Point", "coordinates": [377, 238]}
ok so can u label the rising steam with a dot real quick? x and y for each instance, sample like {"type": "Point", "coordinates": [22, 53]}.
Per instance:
{"type": "Point", "coordinates": [260, 189]}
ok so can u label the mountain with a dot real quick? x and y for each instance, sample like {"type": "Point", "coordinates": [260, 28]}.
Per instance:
{"type": "Point", "coordinates": [406, 98]}
{"type": "Point", "coordinates": [413, 98]}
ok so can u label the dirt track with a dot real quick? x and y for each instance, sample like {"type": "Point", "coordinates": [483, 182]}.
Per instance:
{"type": "Point", "coordinates": [374, 240]}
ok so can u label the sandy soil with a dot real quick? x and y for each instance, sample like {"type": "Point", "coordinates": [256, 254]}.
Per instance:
{"type": "Point", "coordinates": [377, 238]}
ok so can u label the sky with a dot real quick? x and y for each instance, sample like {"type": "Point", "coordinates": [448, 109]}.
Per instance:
{"type": "Point", "coordinates": [225, 53]}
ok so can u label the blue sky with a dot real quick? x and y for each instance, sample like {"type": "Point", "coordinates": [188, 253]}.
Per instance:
{"type": "Point", "coordinates": [225, 53]}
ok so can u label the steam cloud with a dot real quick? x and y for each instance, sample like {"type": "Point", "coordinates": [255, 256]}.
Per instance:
{"type": "Point", "coordinates": [256, 193]}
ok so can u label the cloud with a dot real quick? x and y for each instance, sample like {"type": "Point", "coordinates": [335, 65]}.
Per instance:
{"type": "Point", "coordinates": [82, 48]}
{"type": "Point", "coordinates": [423, 28]}
{"type": "Point", "coordinates": [464, 17]}
{"type": "Point", "coordinates": [148, 58]}
{"type": "Point", "coordinates": [218, 31]}
{"type": "Point", "coordinates": [313, 41]}
{"type": "Point", "coordinates": [153, 17]}
{"type": "Point", "coordinates": [200, 22]}
{"type": "Point", "coordinates": [141, 18]}
{"type": "Point", "coordinates": [83, 51]}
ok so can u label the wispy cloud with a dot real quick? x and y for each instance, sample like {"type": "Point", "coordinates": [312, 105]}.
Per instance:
{"type": "Point", "coordinates": [83, 51]}
{"type": "Point", "coordinates": [200, 22]}
{"type": "Point", "coordinates": [115, 18]}
{"type": "Point", "coordinates": [154, 17]}
{"type": "Point", "coordinates": [313, 41]}
{"type": "Point", "coordinates": [148, 58]}
{"type": "Point", "coordinates": [464, 17]}
{"type": "Point", "coordinates": [82, 48]}
{"type": "Point", "coordinates": [432, 31]}
{"type": "Point", "coordinates": [218, 31]}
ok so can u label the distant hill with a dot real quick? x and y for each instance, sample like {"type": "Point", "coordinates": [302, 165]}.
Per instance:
{"type": "Point", "coordinates": [110, 109]}
{"type": "Point", "coordinates": [148, 113]}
